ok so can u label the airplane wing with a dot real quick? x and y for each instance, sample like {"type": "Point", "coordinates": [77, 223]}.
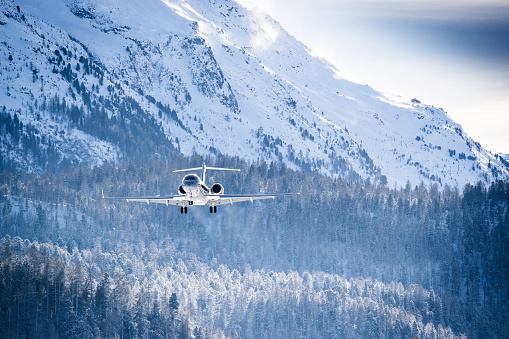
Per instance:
{"type": "Point", "coordinates": [177, 200]}
{"type": "Point", "coordinates": [211, 199]}
{"type": "Point", "coordinates": [223, 199]}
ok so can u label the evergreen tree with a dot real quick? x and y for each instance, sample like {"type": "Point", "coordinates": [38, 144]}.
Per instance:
{"type": "Point", "coordinates": [155, 322]}
{"type": "Point", "coordinates": [102, 304]}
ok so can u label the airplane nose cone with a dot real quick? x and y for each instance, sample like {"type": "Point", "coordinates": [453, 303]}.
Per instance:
{"type": "Point", "coordinates": [191, 180]}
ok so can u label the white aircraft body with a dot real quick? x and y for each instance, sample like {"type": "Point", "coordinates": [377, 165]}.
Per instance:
{"type": "Point", "coordinates": [194, 191]}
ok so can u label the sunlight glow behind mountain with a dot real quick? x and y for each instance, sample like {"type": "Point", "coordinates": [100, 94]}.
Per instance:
{"type": "Point", "coordinates": [451, 54]}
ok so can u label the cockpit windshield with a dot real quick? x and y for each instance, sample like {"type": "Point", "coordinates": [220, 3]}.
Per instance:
{"type": "Point", "coordinates": [191, 180]}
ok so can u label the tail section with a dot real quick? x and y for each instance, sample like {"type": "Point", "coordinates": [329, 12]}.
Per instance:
{"type": "Point", "coordinates": [204, 169]}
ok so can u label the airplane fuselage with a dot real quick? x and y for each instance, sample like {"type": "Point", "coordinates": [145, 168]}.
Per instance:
{"type": "Point", "coordinates": [195, 190]}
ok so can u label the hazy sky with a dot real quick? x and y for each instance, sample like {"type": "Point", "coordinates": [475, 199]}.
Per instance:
{"type": "Point", "coordinates": [449, 53]}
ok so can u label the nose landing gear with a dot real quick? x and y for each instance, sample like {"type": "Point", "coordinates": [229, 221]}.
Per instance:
{"type": "Point", "coordinates": [213, 209]}
{"type": "Point", "coordinates": [183, 210]}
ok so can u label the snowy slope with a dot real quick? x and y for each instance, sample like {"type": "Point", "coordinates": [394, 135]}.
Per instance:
{"type": "Point", "coordinates": [212, 76]}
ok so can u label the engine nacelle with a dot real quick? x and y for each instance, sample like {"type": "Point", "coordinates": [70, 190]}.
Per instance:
{"type": "Point", "coordinates": [217, 189]}
{"type": "Point", "coordinates": [181, 190]}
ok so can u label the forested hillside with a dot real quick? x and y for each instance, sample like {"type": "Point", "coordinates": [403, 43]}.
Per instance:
{"type": "Point", "coordinates": [50, 292]}
{"type": "Point", "coordinates": [365, 259]}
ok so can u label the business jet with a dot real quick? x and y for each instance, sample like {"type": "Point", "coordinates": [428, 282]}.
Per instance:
{"type": "Point", "coordinates": [193, 191]}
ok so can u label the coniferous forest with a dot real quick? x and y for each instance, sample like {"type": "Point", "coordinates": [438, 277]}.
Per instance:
{"type": "Point", "coordinates": [343, 259]}
{"type": "Point", "coordinates": [347, 258]}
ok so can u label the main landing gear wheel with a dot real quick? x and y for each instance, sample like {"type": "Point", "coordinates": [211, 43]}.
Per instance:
{"type": "Point", "coordinates": [183, 210]}
{"type": "Point", "coordinates": [213, 209]}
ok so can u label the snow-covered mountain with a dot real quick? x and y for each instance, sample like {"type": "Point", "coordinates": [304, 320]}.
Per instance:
{"type": "Point", "coordinates": [89, 80]}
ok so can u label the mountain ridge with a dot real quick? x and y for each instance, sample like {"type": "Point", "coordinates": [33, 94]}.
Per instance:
{"type": "Point", "coordinates": [207, 77]}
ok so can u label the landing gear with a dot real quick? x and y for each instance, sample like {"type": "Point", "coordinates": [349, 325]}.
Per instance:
{"type": "Point", "coordinates": [213, 209]}
{"type": "Point", "coordinates": [183, 210]}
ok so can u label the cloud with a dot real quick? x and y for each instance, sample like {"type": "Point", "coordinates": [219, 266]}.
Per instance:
{"type": "Point", "coordinates": [435, 9]}
{"type": "Point", "coordinates": [264, 35]}
{"type": "Point", "coordinates": [265, 31]}
{"type": "Point", "coordinates": [264, 6]}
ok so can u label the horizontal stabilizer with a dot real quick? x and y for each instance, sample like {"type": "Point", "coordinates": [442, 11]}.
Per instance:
{"type": "Point", "coordinates": [188, 169]}
{"type": "Point", "coordinates": [223, 169]}
{"type": "Point", "coordinates": [207, 168]}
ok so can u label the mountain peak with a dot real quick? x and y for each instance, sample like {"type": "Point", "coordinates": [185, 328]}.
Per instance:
{"type": "Point", "coordinates": [205, 77]}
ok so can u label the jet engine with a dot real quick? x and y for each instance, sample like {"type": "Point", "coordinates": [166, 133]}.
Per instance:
{"type": "Point", "coordinates": [181, 190]}
{"type": "Point", "coordinates": [217, 189]}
